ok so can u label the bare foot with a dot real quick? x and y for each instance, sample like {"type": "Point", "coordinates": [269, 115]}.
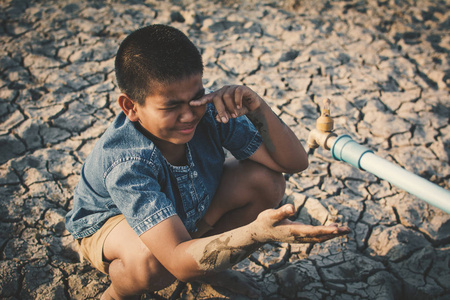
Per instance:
{"type": "Point", "coordinates": [235, 282]}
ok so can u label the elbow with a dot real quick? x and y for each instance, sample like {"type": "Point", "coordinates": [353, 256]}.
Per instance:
{"type": "Point", "coordinates": [298, 167]}
{"type": "Point", "coordinates": [187, 276]}
{"type": "Point", "coordinates": [193, 272]}
{"type": "Point", "coordinates": [300, 162]}
{"type": "Point", "coordinates": [186, 273]}
{"type": "Point", "coordinates": [305, 165]}
{"type": "Point", "coordinates": [180, 273]}
{"type": "Point", "coordinates": [183, 277]}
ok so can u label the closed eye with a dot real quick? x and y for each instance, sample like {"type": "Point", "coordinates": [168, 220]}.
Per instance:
{"type": "Point", "coordinates": [175, 104]}
{"type": "Point", "coordinates": [169, 108]}
{"type": "Point", "coordinates": [172, 105]}
{"type": "Point", "coordinates": [200, 94]}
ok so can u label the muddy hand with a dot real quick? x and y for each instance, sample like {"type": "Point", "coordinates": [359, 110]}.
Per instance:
{"type": "Point", "coordinates": [231, 101]}
{"type": "Point", "coordinates": [275, 226]}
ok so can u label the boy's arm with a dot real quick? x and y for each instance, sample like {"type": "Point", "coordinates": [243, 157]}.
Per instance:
{"type": "Point", "coordinates": [188, 259]}
{"type": "Point", "coordinates": [281, 149]}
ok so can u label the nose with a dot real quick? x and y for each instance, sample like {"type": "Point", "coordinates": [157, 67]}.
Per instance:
{"type": "Point", "coordinates": [187, 114]}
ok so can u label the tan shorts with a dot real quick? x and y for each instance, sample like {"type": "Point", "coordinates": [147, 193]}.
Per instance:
{"type": "Point", "coordinates": [91, 247]}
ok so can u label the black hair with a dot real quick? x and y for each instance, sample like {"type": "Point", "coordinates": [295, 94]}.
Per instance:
{"type": "Point", "coordinates": [154, 54]}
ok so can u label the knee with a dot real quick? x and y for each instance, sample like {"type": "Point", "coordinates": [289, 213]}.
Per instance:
{"type": "Point", "coordinates": [268, 184]}
{"type": "Point", "coordinates": [150, 275]}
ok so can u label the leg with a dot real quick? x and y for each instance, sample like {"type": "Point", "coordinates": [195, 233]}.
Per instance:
{"type": "Point", "coordinates": [247, 188]}
{"type": "Point", "coordinates": [133, 269]}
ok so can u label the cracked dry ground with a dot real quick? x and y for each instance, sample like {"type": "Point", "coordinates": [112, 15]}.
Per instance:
{"type": "Point", "coordinates": [384, 64]}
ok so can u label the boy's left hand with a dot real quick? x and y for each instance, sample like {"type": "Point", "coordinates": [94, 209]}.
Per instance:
{"type": "Point", "coordinates": [231, 101]}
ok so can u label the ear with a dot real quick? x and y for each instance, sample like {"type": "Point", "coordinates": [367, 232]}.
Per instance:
{"type": "Point", "coordinates": [128, 106]}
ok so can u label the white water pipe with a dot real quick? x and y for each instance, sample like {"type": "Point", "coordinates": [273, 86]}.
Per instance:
{"type": "Point", "coordinates": [346, 149]}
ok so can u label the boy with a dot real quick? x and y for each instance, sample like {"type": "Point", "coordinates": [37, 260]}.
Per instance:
{"type": "Point", "coordinates": [157, 201]}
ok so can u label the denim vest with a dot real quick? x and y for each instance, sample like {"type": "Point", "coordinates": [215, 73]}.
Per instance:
{"type": "Point", "coordinates": [126, 174]}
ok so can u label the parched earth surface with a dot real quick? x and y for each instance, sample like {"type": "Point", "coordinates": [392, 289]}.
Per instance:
{"type": "Point", "coordinates": [384, 64]}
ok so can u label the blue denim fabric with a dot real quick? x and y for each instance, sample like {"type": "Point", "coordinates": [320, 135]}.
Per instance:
{"type": "Point", "coordinates": [125, 173]}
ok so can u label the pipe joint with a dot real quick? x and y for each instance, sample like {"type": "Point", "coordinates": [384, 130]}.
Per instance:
{"type": "Point", "coordinates": [346, 149]}
{"type": "Point", "coordinates": [318, 138]}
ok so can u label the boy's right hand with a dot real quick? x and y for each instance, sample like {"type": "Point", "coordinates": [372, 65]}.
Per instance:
{"type": "Point", "coordinates": [230, 101]}
{"type": "Point", "coordinates": [274, 225]}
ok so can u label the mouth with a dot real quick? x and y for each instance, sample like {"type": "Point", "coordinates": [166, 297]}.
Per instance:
{"type": "Point", "coordinates": [187, 129]}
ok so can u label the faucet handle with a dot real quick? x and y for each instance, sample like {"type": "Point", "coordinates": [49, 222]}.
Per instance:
{"type": "Point", "coordinates": [325, 123]}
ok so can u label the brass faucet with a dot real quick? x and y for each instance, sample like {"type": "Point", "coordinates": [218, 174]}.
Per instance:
{"type": "Point", "coordinates": [323, 134]}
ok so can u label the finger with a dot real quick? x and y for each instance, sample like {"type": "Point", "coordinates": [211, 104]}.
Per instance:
{"type": "Point", "coordinates": [222, 115]}
{"type": "Point", "coordinates": [282, 213]}
{"type": "Point", "coordinates": [344, 230]}
{"type": "Point", "coordinates": [238, 94]}
{"type": "Point", "coordinates": [228, 98]}
{"type": "Point", "coordinates": [321, 238]}
{"type": "Point", "coordinates": [301, 231]}
{"type": "Point", "coordinates": [341, 231]}
{"type": "Point", "coordinates": [331, 229]}
{"type": "Point", "coordinates": [205, 99]}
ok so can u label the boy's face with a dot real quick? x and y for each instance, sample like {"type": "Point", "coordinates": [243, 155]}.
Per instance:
{"type": "Point", "coordinates": [167, 114]}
